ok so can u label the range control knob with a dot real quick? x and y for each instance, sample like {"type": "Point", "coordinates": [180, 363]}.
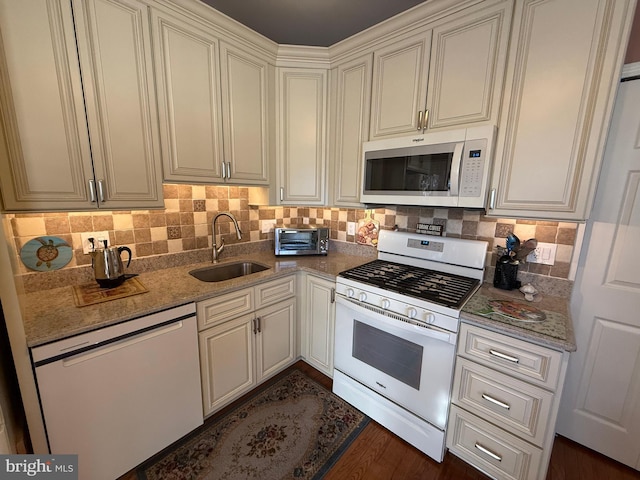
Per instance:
{"type": "Point", "coordinates": [350, 293]}
{"type": "Point", "coordinates": [412, 312]}
{"type": "Point", "coordinates": [431, 318]}
{"type": "Point", "coordinates": [362, 296]}
{"type": "Point", "coordinates": [385, 303]}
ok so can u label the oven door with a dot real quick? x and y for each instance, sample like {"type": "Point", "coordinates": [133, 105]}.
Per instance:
{"type": "Point", "coordinates": [409, 364]}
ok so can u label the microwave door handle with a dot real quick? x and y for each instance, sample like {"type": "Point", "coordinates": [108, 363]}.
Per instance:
{"type": "Point", "coordinates": [456, 161]}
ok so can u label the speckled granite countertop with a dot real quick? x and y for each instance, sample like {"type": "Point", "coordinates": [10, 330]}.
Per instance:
{"type": "Point", "coordinates": [555, 331]}
{"type": "Point", "coordinates": [51, 315]}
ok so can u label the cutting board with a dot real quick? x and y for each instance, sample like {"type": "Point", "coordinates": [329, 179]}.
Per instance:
{"type": "Point", "coordinates": [516, 311]}
{"type": "Point", "coordinates": [367, 231]}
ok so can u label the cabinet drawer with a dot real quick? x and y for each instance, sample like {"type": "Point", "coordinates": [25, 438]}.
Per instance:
{"type": "Point", "coordinates": [224, 307]}
{"type": "Point", "coordinates": [519, 407]}
{"type": "Point", "coordinates": [490, 449]}
{"type": "Point", "coordinates": [275, 291]}
{"type": "Point", "coordinates": [522, 359]}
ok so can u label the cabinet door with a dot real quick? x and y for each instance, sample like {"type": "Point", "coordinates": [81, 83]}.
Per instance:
{"type": "Point", "coordinates": [319, 323]}
{"type": "Point", "coordinates": [400, 73]}
{"type": "Point", "coordinates": [301, 125]}
{"type": "Point", "coordinates": [114, 44]}
{"type": "Point", "coordinates": [276, 338]}
{"type": "Point", "coordinates": [245, 115]}
{"type": "Point", "coordinates": [226, 362]}
{"type": "Point", "coordinates": [467, 63]}
{"type": "Point", "coordinates": [558, 99]}
{"type": "Point", "coordinates": [188, 75]}
{"type": "Point", "coordinates": [352, 100]}
{"type": "Point", "coordinates": [47, 162]}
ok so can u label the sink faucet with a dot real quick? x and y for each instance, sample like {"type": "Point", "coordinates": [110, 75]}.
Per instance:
{"type": "Point", "coordinates": [218, 250]}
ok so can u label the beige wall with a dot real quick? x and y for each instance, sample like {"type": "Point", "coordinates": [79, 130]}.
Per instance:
{"type": "Point", "coordinates": [633, 50]}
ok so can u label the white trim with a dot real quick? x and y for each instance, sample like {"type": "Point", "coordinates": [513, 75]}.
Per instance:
{"type": "Point", "coordinates": [630, 70]}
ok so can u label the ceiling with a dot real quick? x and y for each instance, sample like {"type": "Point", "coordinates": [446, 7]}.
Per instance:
{"type": "Point", "coordinates": [310, 22]}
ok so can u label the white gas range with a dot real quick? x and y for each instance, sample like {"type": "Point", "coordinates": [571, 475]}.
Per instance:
{"type": "Point", "coordinates": [397, 320]}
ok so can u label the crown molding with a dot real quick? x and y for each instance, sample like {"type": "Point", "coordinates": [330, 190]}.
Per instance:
{"type": "Point", "coordinates": [402, 23]}
{"type": "Point", "coordinates": [630, 70]}
{"type": "Point", "coordinates": [219, 23]}
{"type": "Point", "coordinates": [303, 56]}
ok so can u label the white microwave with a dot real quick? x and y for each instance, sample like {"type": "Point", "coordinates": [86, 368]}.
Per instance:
{"type": "Point", "coordinates": [440, 169]}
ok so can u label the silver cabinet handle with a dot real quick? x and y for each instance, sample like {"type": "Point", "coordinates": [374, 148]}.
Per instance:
{"type": "Point", "coordinates": [281, 194]}
{"type": "Point", "coordinates": [101, 191]}
{"type": "Point", "coordinates": [224, 171]}
{"type": "Point", "coordinates": [333, 295]}
{"type": "Point", "coordinates": [489, 398]}
{"type": "Point", "coordinates": [425, 121]}
{"type": "Point", "coordinates": [420, 113]}
{"type": "Point", "coordinates": [92, 191]}
{"type": "Point", "coordinates": [504, 356]}
{"type": "Point", "coordinates": [486, 451]}
{"type": "Point", "coordinates": [228, 169]}
{"type": "Point", "coordinates": [492, 199]}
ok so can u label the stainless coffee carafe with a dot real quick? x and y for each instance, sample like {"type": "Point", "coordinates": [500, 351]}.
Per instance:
{"type": "Point", "coordinates": [107, 265]}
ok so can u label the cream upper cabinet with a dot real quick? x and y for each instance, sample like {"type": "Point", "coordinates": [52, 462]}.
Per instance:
{"type": "Point", "coordinates": [214, 105]}
{"type": "Point", "coordinates": [445, 75]}
{"type": "Point", "coordinates": [302, 135]}
{"type": "Point", "coordinates": [399, 91]}
{"type": "Point", "coordinates": [114, 45]}
{"type": "Point", "coordinates": [558, 99]}
{"type": "Point", "coordinates": [63, 151]}
{"type": "Point", "coordinates": [351, 100]}
{"type": "Point", "coordinates": [246, 80]}
{"type": "Point", "coordinates": [188, 76]}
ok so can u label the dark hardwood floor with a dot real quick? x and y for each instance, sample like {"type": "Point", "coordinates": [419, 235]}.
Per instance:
{"type": "Point", "coordinates": [378, 454]}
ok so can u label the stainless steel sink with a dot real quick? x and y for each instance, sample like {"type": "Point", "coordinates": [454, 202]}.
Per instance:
{"type": "Point", "coordinates": [227, 271]}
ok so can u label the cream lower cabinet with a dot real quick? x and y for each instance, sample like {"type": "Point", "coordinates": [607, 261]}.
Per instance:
{"type": "Point", "coordinates": [446, 74]}
{"type": "Point", "coordinates": [318, 322]}
{"type": "Point", "coordinates": [245, 337]}
{"type": "Point", "coordinates": [505, 401]}
{"type": "Point", "coordinates": [559, 93]}
{"type": "Point", "coordinates": [78, 106]}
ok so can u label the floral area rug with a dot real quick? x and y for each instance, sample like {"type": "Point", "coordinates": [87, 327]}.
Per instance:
{"type": "Point", "coordinates": [291, 429]}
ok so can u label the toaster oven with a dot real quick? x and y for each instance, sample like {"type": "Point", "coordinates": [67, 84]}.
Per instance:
{"type": "Point", "coordinates": [301, 240]}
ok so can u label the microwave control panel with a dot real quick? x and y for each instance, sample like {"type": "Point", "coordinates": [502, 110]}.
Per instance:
{"type": "Point", "coordinates": [473, 160]}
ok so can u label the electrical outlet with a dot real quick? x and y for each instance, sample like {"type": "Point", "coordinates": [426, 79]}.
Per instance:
{"type": "Point", "coordinates": [545, 253]}
{"type": "Point", "coordinates": [351, 228]}
{"type": "Point", "coordinates": [97, 240]}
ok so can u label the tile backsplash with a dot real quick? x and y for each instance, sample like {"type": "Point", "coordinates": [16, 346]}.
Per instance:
{"type": "Point", "coordinates": [185, 224]}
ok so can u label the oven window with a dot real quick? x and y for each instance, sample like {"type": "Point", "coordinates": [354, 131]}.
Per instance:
{"type": "Point", "coordinates": [298, 240]}
{"type": "Point", "coordinates": [395, 356]}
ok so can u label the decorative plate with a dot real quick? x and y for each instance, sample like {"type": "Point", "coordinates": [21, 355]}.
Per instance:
{"type": "Point", "coordinates": [46, 253]}
{"type": "Point", "coordinates": [517, 311]}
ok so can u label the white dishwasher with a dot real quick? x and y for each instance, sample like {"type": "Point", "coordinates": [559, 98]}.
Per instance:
{"type": "Point", "coordinates": [118, 395]}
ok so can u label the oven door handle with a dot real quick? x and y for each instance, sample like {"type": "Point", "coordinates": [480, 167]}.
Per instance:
{"type": "Point", "coordinates": [425, 330]}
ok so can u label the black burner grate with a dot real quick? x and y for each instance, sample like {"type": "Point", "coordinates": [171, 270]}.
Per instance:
{"type": "Point", "coordinates": [445, 289]}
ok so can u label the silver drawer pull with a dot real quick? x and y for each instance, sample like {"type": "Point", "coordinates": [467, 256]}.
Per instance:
{"type": "Point", "coordinates": [486, 451]}
{"type": "Point", "coordinates": [488, 398]}
{"type": "Point", "coordinates": [504, 356]}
